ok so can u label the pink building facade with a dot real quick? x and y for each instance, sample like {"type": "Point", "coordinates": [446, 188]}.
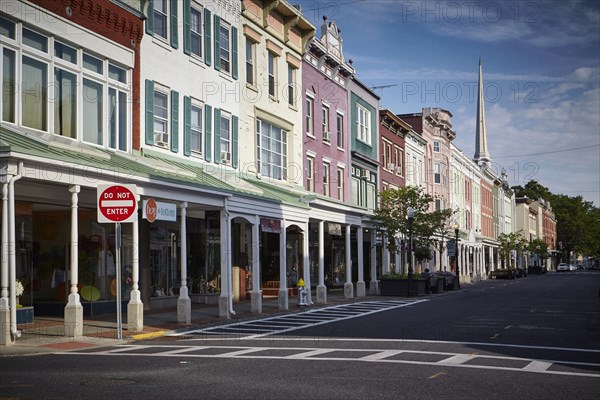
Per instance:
{"type": "Point", "coordinates": [325, 116]}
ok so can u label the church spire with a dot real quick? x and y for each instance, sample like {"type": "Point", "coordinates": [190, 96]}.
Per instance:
{"type": "Point", "coordinates": [481, 149]}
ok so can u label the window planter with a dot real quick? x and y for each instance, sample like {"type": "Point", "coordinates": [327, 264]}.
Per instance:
{"type": "Point", "coordinates": [24, 315]}
{"type": "Point", "coordinates": [399, 287]}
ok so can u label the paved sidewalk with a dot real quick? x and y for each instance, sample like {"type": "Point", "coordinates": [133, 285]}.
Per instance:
{"type": "Point", "coordinates": [46, 334]}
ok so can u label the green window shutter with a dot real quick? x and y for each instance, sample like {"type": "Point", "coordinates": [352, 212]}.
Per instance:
{"type": "Point", "coordinates": [234, 141]}
{"type": "Point", "coordinates": [187, 28]}
{"type": "Point", "coordinates": [234, 52]}
{"type": "Point", "coordinates": [174, 121]}
{"type": "Point", "coordinates": [217, 47]}
{"type": "Point", "coordinates": [207, 37]}
{"type": "Point", "coordinates": [150, 18]}
{"type": "Point", "coordinates": [207, 133]}
{"type": "Point", "coordinates": [149, 112]}
{"type": "Point", "coordinates": [187, 126]}
{"type": "Point", "coordinates": [217, 135]}
{"type": "Point", "coordinates": [174, 27]}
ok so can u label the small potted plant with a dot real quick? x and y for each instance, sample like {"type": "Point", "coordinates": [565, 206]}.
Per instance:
{"type": "Point", "coordinates": [19, 292]}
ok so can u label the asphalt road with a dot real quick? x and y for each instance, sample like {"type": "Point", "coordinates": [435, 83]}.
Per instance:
{"type": "Point", "coordinates": [533, 338]}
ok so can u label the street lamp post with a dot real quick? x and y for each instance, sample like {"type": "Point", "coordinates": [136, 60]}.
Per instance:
{"type": "Point", "coordinates": [457, 255]}
{"type": "Point", "coordinates": [410, 213]}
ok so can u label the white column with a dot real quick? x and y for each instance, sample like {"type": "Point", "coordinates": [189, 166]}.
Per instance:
{"type": "Point", "coordinates": [5, 337]}
{"type": "Point", "coordinates": [224, 296]}
{"type": "Point", "coordinates": [306, 263]}
{"type": "Point", "coordinates": [321, 288]}
{"type": "Point", "coordinates": [385, 259]}
{"type": "Point", "coordinates": [135, 307]}
{"type": "Point", "coordinates": [74, 309]}
{"type": "Point", "coordinates": [374, 282]}
{"type": "Point", "coordinates": [256, 295]}
{"type": "Point", "coordinates": [398, 256]}
{"type": "Point", "coordinates": [184, 303]}
{"type": "Point", "coordinates": [283, 297]}
{"type": "Point", "coordinates": [373, 253]}
{"type": "Point", "coordinates": [360, 284]}
{"type": "Point", "coordinates": [348, 288]}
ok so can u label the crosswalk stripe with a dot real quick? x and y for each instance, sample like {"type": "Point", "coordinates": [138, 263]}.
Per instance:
{"type": "Point", "coordinates": [310, 318]}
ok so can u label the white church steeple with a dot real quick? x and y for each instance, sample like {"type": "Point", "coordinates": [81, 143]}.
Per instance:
{"type": "Point", "coordinates": [482, 156]}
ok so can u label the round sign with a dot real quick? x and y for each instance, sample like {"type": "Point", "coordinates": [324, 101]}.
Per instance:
{"type": "Point", "coordinates": [151, 210]}
{"type": "Point", "coordinates": [117, 203]}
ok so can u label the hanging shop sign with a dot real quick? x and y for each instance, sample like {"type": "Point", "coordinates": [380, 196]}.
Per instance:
{"type": "Point", "coordinates": [156, 210]}
{"type": "Point", "coordinates": [270, 225]}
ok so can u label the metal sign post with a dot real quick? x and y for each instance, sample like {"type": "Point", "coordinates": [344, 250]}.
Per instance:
{"type": "Point", "coordinates": [118, 204]}
{"type": "Point", "coordinates": [118, 268]}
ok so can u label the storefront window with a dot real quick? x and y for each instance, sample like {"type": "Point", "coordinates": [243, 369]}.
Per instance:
{"type": "Point", "coordinates": [43, 255]}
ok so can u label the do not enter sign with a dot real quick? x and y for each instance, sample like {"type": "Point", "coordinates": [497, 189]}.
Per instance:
{"type": "Point", "coordinates": [117, 203]}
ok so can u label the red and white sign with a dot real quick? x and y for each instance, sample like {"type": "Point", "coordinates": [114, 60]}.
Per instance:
{"type": "Point", "coordinates": [150, 210]}
{"type": "Point", "coordinates": [117, 203]}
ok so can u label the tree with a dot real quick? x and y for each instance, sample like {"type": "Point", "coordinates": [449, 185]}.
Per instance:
{"type": "Point", "coordinates": [427, 225]}
{"type": "Point", "coordinates": [538, 247]}
{"type": "Point", "coordinates": [509, 242]}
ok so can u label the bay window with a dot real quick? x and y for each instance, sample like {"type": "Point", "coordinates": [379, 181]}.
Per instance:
{"type": "Point", "coordinates": [272, 144]}
{"type": "Point", "coordinates": [63, 89]}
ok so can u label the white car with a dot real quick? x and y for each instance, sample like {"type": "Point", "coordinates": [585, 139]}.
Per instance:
{"type": "Point", "coordinates": [563, 267]}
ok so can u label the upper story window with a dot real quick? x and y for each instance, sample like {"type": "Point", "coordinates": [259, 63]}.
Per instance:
{"type": "Point", "coordinates": [363, 124]}
{"type": "Point", "coordinates": [196, 123]}
{"type": "Point", "coordinates": [291, 85]}
{"type": "Point", "coordinates": [340, 184]}
{"type": "Point", "coordinates": [399, 160]}
{"type": "Point", "coordinates": [224, 47]}
{"type": "Point", "coordinates": [271, 150]}
{"type": "Point", "coordinates": [250, 64]}
{"type": "Point", "coordinates": [225, 138]}
{"type": "Point", "coordinates": [437, 173]}
{"type": "Point", "coordinates": [339, 124]}
{"type": "Point", "coordinates": [325, 124]}
{"type": "Point", "coordinates": [272, 71]}
{"type": "Point", "coordinates": [386, 155]}
{"type": "Point", "coordinates": [161, 117]}
{"type": "Point", "coordinates": [310, 173]}
{"type": "Point", "coordinates": [310, 110]}
{"type": "Point", "coordinates": [196, 31]}
{"type": "Point", "coordinates": [326, 172]}
{"type": "Point", "coordinates": [436, 146]}
{"type": "Point", "coordinates": [160, 16]}
{"type": "Point", "coordinates": [64, 90]}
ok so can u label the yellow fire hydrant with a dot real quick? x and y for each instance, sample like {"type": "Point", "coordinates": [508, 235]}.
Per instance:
{"type": "Point", "coordinates": [302, 293]}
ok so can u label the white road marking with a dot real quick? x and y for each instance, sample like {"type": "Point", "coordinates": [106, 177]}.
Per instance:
{"type": "Point", "coordinates": [291, 322]}
{"type": "Point", "coordinates": [448, 359]}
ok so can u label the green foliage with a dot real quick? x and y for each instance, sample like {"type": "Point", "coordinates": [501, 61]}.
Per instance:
{"type": "Point", "coordinates": [577, 220]}
{"type": "Point", "coordinates": [392, 216]}
{"type": "Point", "coordinates": [393, 275]}
{"type": "Point", "coordinates": [511, 241]}
{"type": "Point", "coordinates": [539, 247]}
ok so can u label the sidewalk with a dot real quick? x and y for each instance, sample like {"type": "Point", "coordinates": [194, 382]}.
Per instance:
{"type": "Point", "coordinates": [46, 334]}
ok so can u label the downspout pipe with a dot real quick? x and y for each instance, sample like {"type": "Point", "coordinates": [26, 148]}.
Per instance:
{"type": "Point", "coordinates": [12, 261]}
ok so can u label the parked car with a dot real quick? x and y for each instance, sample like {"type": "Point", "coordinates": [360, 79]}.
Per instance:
{"type": "Point", "coordinates": [563, 267]}
{"type": "Point", "coordinates": [572, 267]}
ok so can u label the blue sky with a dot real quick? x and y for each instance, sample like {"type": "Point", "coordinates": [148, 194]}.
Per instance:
{"type": "Point", "coordinates": [541, 66]}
